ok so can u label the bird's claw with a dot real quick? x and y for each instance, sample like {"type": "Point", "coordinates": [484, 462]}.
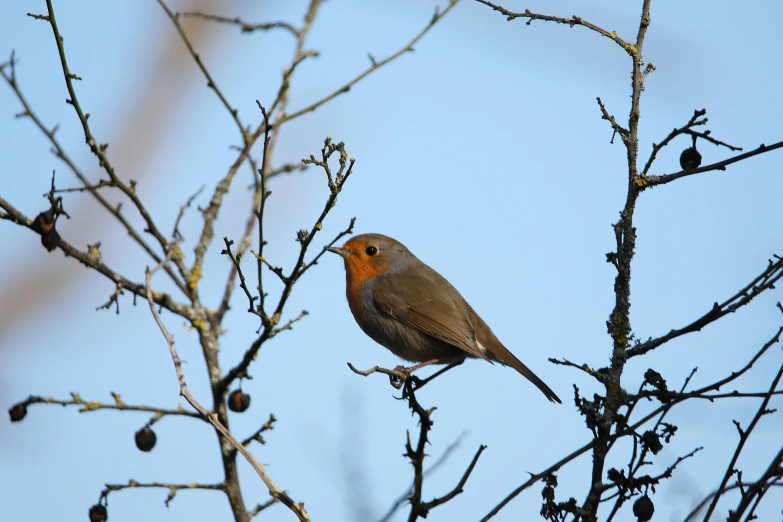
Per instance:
{"type": "Point", "coordinates": [397, 376]}
{"type": "Point", "coordinates": [396, 381]}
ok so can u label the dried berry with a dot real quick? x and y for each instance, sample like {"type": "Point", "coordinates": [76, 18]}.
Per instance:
{"type": "Point", "coordinates": [669, 430]}
{"type": "Point", "coordinates": [17, 412]}
{"type": "Point", "coordinates": [50, 240]}
{"type": "Point", "coordinates": [643, 508]}
{"type": "Point", "coordinates": [44, 222]}
{"type": "Point", "coordinates": [548, 494]}
{"type": "Point", "coordinates": [690, 158]}
{"type": "Point", "coordinates": [146, 439]}
{"type": "Point", "coordinates": [655, 379]}
{"type": "Point", "coordinates": [98, 513]}
{"type": "Point", "coordinates": [618, 477]}
{"type": "Point", "coordinates": [238, 401]}
{"type": "Point", "coordinates": [651, 440]}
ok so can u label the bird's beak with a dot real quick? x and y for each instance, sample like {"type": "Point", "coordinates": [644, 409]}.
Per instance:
{"type": "Point", "coordinates": [338, 250]}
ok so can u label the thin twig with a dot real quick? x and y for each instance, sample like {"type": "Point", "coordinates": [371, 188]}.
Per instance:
{"type": "Point", "coordinates": [258, 211]}
{"type": "Point", "coordinates": [755, 491]}
{"type": "Point", "coordinates": [173, 488]}
{"type": "Point", "coordinates": [228, 290]}
{"type": "Point", "coordinates": [693, 122]}
{"type": "Point", "coordinates": [99, 150]}
{"type": "Point", "coordinates": [619, 129]}
{"type": "Point", "coordinates": [221, 189]}
{"type": "Point", "coordinates": [374, 66]}
{"type": "Point", "coordinates": [299, 269]}
{"type": "Point", "coordinates": [242, 281]}
{"type": "Point", "coordinates": [695, 511]}
{"type": "Point", "coordinates": [405, 496]}
{"type": "Point", "coordinates": [274, 491]}
{"type": "Point", "coordinates": [96, 264]}
{"type": "Point", "coordinates": [289, 324]}
{"type": "Point", "coordinates": [268, 425]}
{"type": "Point", "coordinates": [89, 406]}
{"type": "Point", "coordinates": [417, 455]}
{"type": "Point", "coordinates": [101, 184]}
{"type": "Point", "coordinates": [744, 436]}
{"type": "Point", "coordinates": [647, 181]}
{"type": "Point", "coordinates": [571, 22]}
{"type": "Point", "coordinates": [210, 80]}
{"type": "Point", "coordinates": [57, 150]}
{"type": "Point", "coordinates": [261, 507]}
{"type": "Point", "coordinates": [706, 137]}
{"type": "Point", "coordinates": [631, 428]}
{"type": "Point", "coordinates": [435, 502]}
{"type": "Point", "coordinates": [176, 234]}
{"type": "Point", "coordinates": [246, 27]}
{"type": "Point", "coordinates": [764, 281]}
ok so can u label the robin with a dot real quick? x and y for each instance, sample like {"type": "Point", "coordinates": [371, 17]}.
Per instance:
{"type": "Point", "coordinates": [412, 310]}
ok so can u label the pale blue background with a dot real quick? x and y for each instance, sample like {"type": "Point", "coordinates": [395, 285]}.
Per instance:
{"type": "Point", "coordinates": [484, 152]}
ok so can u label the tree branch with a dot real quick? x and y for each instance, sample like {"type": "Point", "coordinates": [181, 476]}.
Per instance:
{"type": "Point", "coordinates": [646, 181]}
{"type": "Point", "coordinates": [274, 491]}
{"type": "Point", "coordinates": [173, 488]}
{"type": "Point", "coordinates": [571, 22]}
{"type": "Point", "coordinates": [58, 151]}
{"type": "Point", "coordinates": [374, 66]}
{"type": "Point", "coordinates": [210, 81]}
{"type": "Point", "coordinates": [764, 281]}
{"type": "Point", "coordinates": [744, 436]}
{"type": "Point", "coordinates": [88, 406]}
{"type": "Point", "coordinates": [94, 263]}
{"type": "Point", "coordinates": [99, 150]}
{"type": "Point", "coordinates": [246, 27]}
{"type": "Point", "coordinates": [631, 428]}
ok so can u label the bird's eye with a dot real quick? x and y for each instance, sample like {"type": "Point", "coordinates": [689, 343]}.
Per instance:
{"type": "Point", "coordinates": [371, 251]}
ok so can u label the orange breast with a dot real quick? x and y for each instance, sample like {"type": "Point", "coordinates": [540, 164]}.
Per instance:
{"type": "Point", "coordinates": [358, 272]}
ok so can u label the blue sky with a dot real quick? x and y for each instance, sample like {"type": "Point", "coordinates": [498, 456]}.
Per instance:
{"type": "Point", "coordinates": [483, 151]}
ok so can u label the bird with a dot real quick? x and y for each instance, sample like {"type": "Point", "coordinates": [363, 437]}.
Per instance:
{"type": "Point", "coordinates": [414, 312]}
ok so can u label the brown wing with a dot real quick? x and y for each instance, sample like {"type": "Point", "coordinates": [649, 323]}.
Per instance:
{"type": "Point", "coordinates": [428, 303]}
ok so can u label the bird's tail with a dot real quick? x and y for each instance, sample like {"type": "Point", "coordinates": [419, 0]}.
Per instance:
{"type": "Point", "coordinates": [509, 359]}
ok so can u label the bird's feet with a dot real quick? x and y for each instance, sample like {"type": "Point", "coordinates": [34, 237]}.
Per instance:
{"type": "Point", "coordinates": [402, 374]}
{"type": "Point", "coordinates": [397, 376]}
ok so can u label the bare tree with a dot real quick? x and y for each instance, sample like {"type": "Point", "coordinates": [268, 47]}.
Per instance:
{"type": "Point", "coordinates": [613, 415]}
{"type": "Point", "coordinates": [167, 253]}
{"type": "Point", "coordinates": [628, 426]}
